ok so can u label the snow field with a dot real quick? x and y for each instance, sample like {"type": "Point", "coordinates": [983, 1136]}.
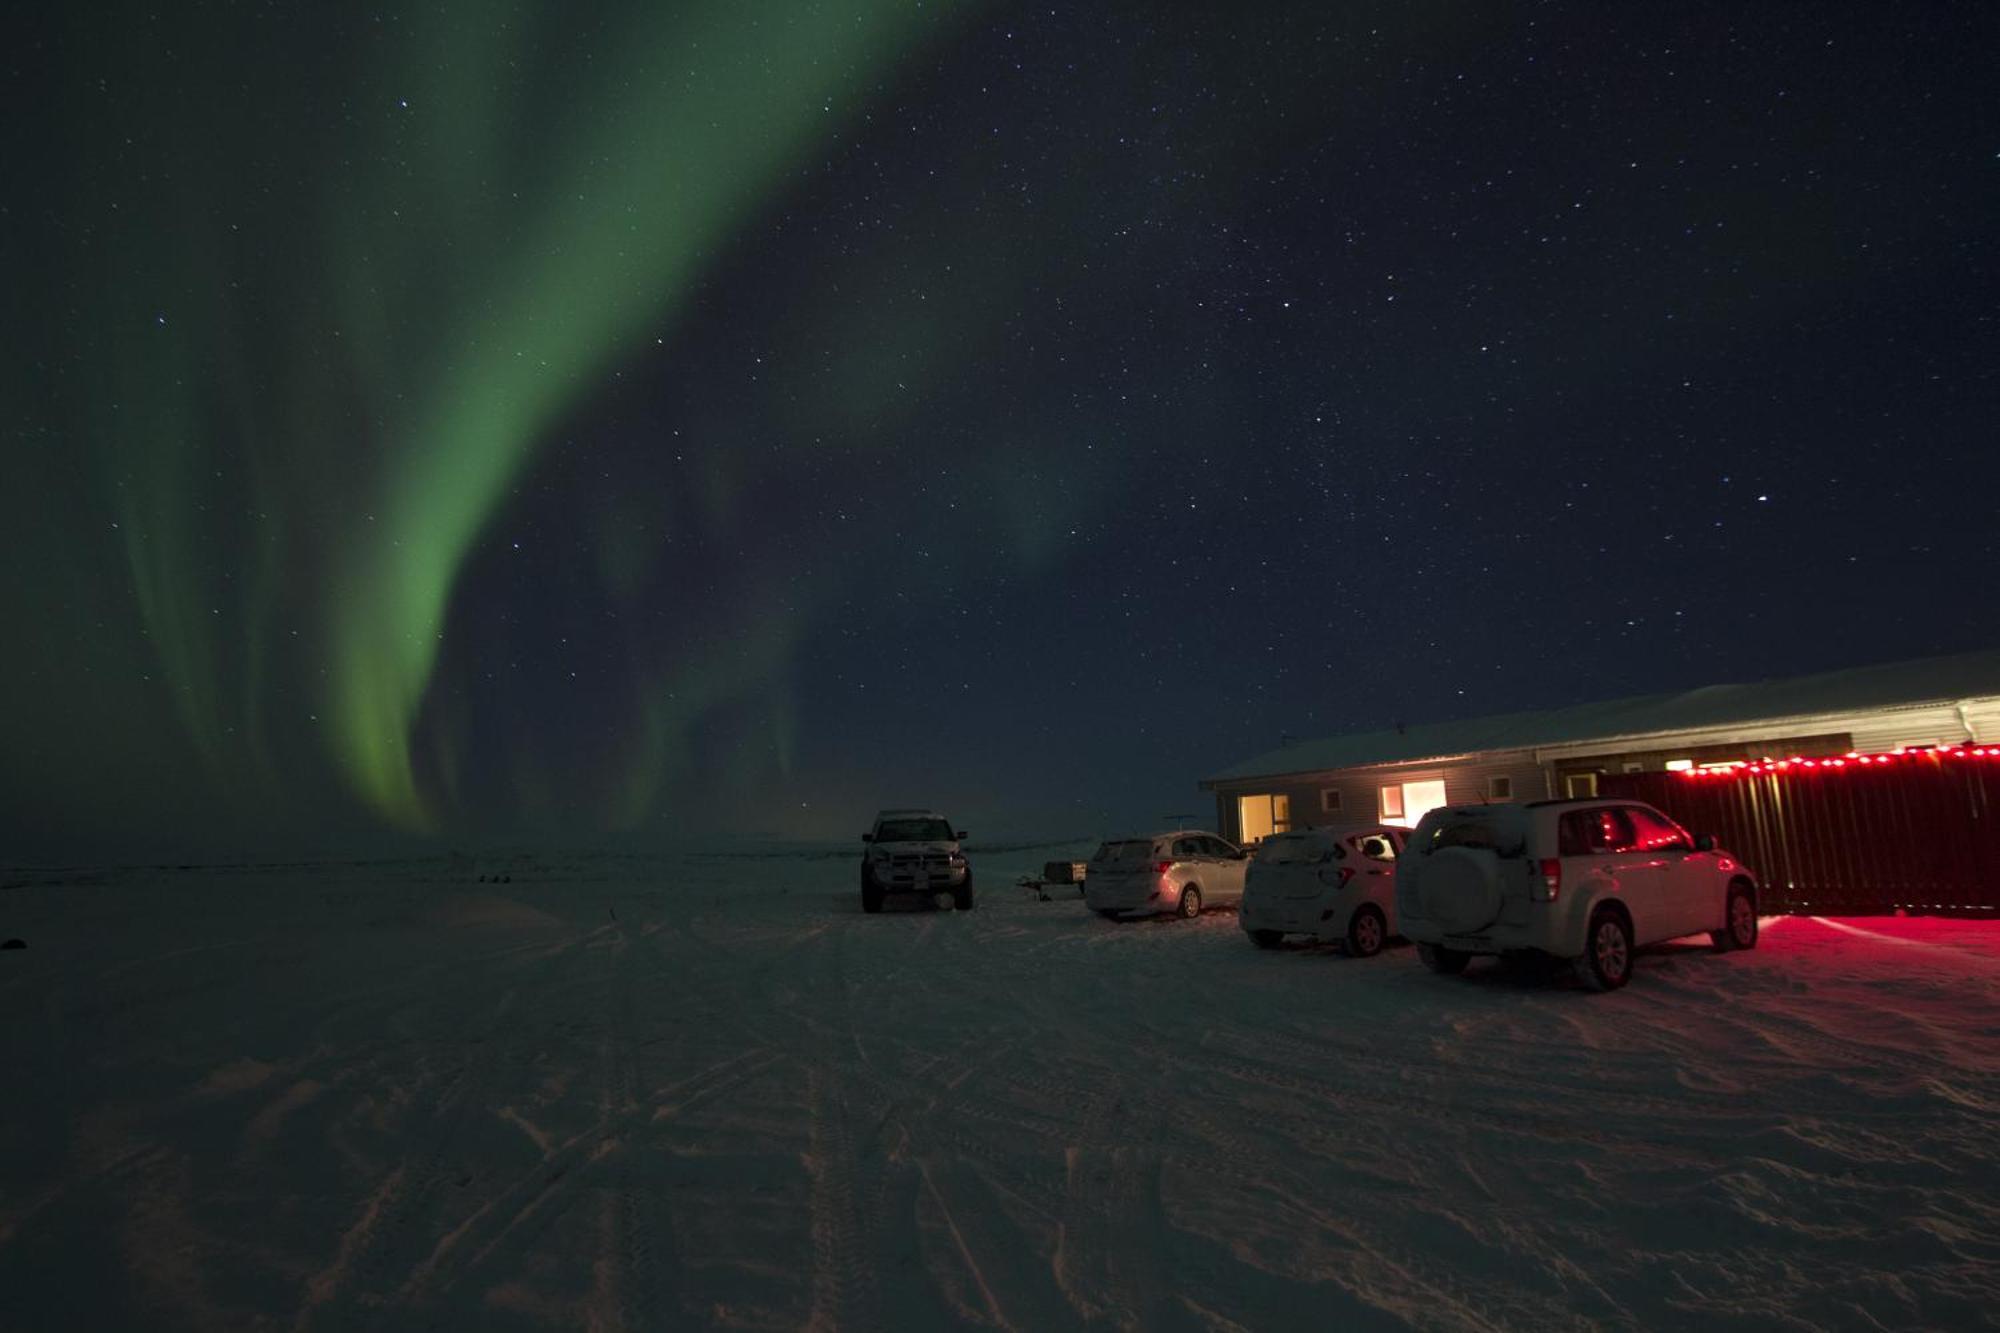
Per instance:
{"type": "Point", "coordinates": [708, 1091]}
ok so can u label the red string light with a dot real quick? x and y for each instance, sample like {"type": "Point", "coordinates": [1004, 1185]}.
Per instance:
{"type": "Point", "coordinates": [1739, 767]}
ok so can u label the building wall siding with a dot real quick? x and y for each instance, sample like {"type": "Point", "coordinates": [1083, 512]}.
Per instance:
{"type": "Point", "coordinates": [1360, 790]}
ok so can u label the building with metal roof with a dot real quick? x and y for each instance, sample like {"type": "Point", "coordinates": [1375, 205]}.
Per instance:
{"type": "Point", "coordinates": [1393, 776]}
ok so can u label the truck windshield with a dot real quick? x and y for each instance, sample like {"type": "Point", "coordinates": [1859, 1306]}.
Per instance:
{"type": "Point", "coordinates": [913, 830]}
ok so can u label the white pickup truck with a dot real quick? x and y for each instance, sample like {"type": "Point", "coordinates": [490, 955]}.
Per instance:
{"type": "Point", "coordinates": [914, 851]}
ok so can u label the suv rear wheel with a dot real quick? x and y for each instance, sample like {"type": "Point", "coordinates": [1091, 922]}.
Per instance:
{"type": "Point", "coordinates": [961, 896]}
{"type": "Point", "coordinates": [1443, 961]}
{"type": "Point", "coordinates": [1607, 951]}
{"type": "Point", "coordinates": [1266, 939]}
{"type": "Point", "coordinates": [1739, 923]}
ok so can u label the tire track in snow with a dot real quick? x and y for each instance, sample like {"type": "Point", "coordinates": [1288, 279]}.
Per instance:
{"type": "Point", "coordinates": [1251, 1161]}
{"type": "Point", "coordinates": [573, 1165]}
{"type": "Point", "coordinates": [644, 1238]}
{"type": "Point", "coordinates": [421, 1201]}
{"type": "Point", "coordinates": [1109, 1249]}
{"type": "Point", "coordinates": [845, 1293]}
{"type": "Point", "coordinates": [889, 1154]}
{"type": "Point", "coordinates": [426, 1200]}
{"type": "Point", "coordinates": [921, 1108]}
{"type": "Point", "coordinates": [326, 1284]}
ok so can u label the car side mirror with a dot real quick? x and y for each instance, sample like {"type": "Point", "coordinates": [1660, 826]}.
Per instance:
{"type": "Point", "coordinates": [867, 837]}
{"type": "Point", "coordinates": [961, 835]}
{"type": "Point", "coordinates": [1704, 842]}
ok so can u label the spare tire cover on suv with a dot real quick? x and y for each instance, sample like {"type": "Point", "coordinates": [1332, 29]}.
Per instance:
{"type": "Point", "coordinates": [1460, 888]}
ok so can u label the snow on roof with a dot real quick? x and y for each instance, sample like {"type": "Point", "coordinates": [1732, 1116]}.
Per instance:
{"type": "Point", "coordinates": [1931, 680]}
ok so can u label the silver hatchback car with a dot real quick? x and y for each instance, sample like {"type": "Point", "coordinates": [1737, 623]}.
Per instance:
{"type": "Point", "coordinates": [1179, 872]}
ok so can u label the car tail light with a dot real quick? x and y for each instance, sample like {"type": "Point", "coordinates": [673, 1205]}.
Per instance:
{"type": "Point", "coordinates": [1551, 869]}
{"type": "Point", "coordinates": [1346, 873]}
{"type": "Point", "coordinates": [1162, 867]}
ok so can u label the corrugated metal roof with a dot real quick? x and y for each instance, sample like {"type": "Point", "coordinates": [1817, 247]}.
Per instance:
{"type": "Point", "coordinates": [1930, 680]}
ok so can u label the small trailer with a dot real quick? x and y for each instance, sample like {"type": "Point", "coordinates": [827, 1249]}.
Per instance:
{"type": "Point", "coordinates": [1056, 875]}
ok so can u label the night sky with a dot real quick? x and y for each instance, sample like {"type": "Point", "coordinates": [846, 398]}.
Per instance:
{"type": "Point", "coordinates": [499, 422]}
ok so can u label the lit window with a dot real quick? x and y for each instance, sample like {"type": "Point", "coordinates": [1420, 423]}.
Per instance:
{"type": "Point", "coordinates": [1409, 802]}
{"type": "Point", "coordinates": [1679, 765]}
{"type": "Point", "coordinates": [1258, 817]}
{"type": "Point", "coordinates": [1576, 785]}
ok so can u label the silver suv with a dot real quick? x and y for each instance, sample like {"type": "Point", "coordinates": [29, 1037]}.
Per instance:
{"type": "Point", "coordinates": [914, 851]}
{"type": "Point", "coordinates": [1587, 881]}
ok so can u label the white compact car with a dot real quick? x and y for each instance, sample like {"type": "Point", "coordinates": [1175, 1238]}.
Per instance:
{"type": "Point", "coordinates": [1179, 872]}
{"type": "Point", "coordinates": [1331, 886]}
{"type": "Point", "coordinates": [914, 851]}
{"type": "Point", "coordinates": [1588, 881]}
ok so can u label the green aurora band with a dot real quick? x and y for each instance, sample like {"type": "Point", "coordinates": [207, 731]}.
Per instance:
{"type": "Point", "coordinates": [483, 214]}
{"type": "Point", "coordinates": [677, 159]}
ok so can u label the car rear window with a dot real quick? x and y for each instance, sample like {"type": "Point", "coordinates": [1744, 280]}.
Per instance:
{"type": "Point", "coordinates": [1288, 849]}
{"type": "Point", "coordinates": [1499, 829]}
{"type": "Point", "coordinates": [1135, 852]}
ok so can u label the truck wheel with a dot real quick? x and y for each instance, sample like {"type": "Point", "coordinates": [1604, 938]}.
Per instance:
{"type": "Point", "coordinates": [1607, 951]}
{"type": "Point", "coordinates": [1739, 929]}
{"type": "Point", "coordinates": [1445, 962]}
{"type": "Point", "coordinates": [1366, 932]}
{"type": "Point", "coordinates": [1266, 939]}
{"type": "Point", "coordinates": [961, 896]}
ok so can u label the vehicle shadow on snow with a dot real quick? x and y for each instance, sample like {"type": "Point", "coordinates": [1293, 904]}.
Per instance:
{"type": "Point", "coordinates": [1307, 947]}
{"type": "Point", "coordinates": [1159, 919]}
{"type": "Point", "coordinates": [1538, 972]}
{"type": "Point", "coordinates": [896, 904]}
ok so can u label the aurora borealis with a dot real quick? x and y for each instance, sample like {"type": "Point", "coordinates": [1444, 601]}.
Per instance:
{"type": "Point", "coordinates": [506, 419]}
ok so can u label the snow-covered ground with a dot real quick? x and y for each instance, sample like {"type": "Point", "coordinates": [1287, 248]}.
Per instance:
{"type": "Point", "coordinates": [393, 1096]}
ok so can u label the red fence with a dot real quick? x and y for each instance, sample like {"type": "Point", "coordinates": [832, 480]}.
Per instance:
{"type": "Point", "coordinates": [1917, 830]}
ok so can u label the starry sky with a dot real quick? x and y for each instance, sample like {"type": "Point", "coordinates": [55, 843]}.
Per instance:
{"type": "Point", "coordinates": [481, 422]}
